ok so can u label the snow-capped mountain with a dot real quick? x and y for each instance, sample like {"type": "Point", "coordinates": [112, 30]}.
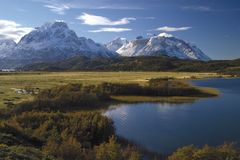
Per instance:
{"type": "Point", "coordinates": [163, 44]}
{"type": "Point", "coordinates": [132, 47]}
{"type": "Point", "coordinates": [55, 41]}
{"type": "Point", "coordinates": [116, 44]}
{"type": "Point", "coordinates": [6, 47]}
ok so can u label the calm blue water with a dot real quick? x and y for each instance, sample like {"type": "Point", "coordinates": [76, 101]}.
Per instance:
{"type": "Point", "coordinates": [165, 127]}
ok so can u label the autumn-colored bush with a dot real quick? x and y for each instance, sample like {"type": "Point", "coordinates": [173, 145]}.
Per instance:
{"type": "Point", "coordinates": [223, 152]}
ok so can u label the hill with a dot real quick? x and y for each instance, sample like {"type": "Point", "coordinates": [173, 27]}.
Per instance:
{"type": "Point", "coordinates": [147, 63]}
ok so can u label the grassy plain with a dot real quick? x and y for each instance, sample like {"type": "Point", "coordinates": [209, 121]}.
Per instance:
{"type": "Point", "coordinates": [42, 80]}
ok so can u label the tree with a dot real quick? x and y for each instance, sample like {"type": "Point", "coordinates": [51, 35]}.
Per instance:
{"type": "Point", "coordinates": [108, 151]}
{"type": "Point", "coordinates": [185, 153]}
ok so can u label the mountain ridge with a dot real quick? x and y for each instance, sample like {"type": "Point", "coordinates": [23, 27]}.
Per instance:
{"type": "Point", "coordinates": [140, 63]}
{"type": "Point", "coordinates": [6, 47]}
{"type": "Point", "coordinates": [54, 41]}
{"type": "Point", "coordinates": [162, 44]}
{"type": "Point", "coordinates": [115, 44]}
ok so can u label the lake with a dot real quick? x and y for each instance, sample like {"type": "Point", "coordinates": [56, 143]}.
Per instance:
{"type": "Point", "coordinates": [164, 127]}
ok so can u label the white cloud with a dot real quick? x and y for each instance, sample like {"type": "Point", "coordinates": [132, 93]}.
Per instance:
{"type": "Point", "coordinates": [12, 30]}
{"type": "Point", "coordinates": [197, 8]}
{"type": "Point", "coordinates": [90, 19]}
{"type": "Point", "coordinates": [111, 30]}
{"type": "Point", "coordinates": [59, 20]}
{"type": "Point", "coordinates": [147, 18]}
{"type": "Point", "coordinates": [116, 7]}
{"type": "Point", "coordinates": [165, 35]}
{"type": "Point", "coordinates": [172, 29]}
{"type": "Point", "coordinates": [209, 9]}
{"type": "Point", "coordinates": [58, 8]}
{"type": "Point", "coordinates": [150, 18]}
{"type": "Point", "coordinates": [150, 34]}
{"type": "Point", "coordinates": [21, 10]}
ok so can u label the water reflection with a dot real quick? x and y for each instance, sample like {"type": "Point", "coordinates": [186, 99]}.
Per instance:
{"type": "Point", "coordinates": [164, 127]}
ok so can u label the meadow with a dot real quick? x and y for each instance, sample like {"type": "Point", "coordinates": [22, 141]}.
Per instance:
{"type": "Point", "coordinates": [11, 82]}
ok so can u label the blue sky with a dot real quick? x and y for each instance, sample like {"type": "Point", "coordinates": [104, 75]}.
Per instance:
{"type": "Point", "coordinates": [213, 25]}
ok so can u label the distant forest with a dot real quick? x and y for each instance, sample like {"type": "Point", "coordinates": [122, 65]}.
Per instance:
{"type": "Point", "coordinates": [162, 63]}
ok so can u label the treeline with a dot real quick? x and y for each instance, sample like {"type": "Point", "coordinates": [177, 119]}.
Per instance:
{"type": "Point", "coordinates": [160, 63]}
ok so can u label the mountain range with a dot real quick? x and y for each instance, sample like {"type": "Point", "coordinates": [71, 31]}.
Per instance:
{"type": "Point", "coordinates": [50, 42]}
{"type": "Point", "coordinates": [55, 42]}
{"type": "Point", "coordinates": [6, 47]}
{"type": "Point", "coordinates": [162, 44]}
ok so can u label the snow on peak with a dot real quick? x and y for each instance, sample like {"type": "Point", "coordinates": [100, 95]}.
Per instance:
{"type": "Point", "coordinates": [55, 24]}
{"type": "Point", "coordinates": [123, 39]}
{"type": "Point", "coordinates": [116, 44]}
{"type": "Point", "coordinates": [50, 35]}
{"type": "Point", "coordinates": [165, 35]}
{"type": "Point", "coordinates": [6, 47]}
{"type": "Point", "coordinates": [54, 41]}
{"type": "Point", "coordinates": [8, 42]}
{"type": "Point", "coordinates": [163, 44]}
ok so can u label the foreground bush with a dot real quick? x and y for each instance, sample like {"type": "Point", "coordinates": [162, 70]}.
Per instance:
{"type": "Point", "coordinates": [224, 152]}
{"type": "Point", "coordinates": [62, 135]}
{"type": "Point", "coordinates": [9, 135]}
{"type": "Point", "coordinates": [21, 153]}
{"type": "Point", "coordinates": [88, 128]}
{"type": "Point", "coordinates": [113, 151]}
{"type": "Point", "coordinates": [68, 149]}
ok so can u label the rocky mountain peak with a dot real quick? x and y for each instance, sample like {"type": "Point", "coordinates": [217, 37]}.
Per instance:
{"type": "Point", "coordinates": [116, 44]}
{"type": "Point", "coordinates": [163, 44]}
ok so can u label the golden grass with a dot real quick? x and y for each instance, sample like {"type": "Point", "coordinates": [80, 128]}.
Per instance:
{"type": "Point", "coordinates": [138, 99]}
{"type": "Point", "coordinates": [44, 80]}
{"type": "Point", "coordinates": [168, 99]}
{"type": "Point", "coordinates": [211, 91]}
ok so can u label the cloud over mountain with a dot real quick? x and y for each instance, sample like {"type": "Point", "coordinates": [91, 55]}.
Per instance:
{"type": "Point", "coordinates": [94, 20]}
{"type": "Point", "coordinates": [12, 30]}
{"type": "Point", "coordinates": [110, 30]}
{"type": "Point", "coordinates": [172, 29]}
{"type": "Point", "coordinates": [58, 8]}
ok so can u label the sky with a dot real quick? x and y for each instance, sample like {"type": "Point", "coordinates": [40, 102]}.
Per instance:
{"type": "Point", "coordinates": [212, 25]}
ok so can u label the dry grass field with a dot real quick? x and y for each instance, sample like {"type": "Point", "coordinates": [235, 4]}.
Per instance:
{"type": "Point", "coordinates": [10, 82]}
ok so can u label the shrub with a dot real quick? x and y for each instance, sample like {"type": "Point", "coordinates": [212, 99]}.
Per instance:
{"type": "Point", "coordinates": [223, 152]}
{"type": "Point", "coordinates": [88, 128]}
{"type": "Point", "coordinates": [113, 151]}
{"type": "Point", "coordinates": [22, 153]}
